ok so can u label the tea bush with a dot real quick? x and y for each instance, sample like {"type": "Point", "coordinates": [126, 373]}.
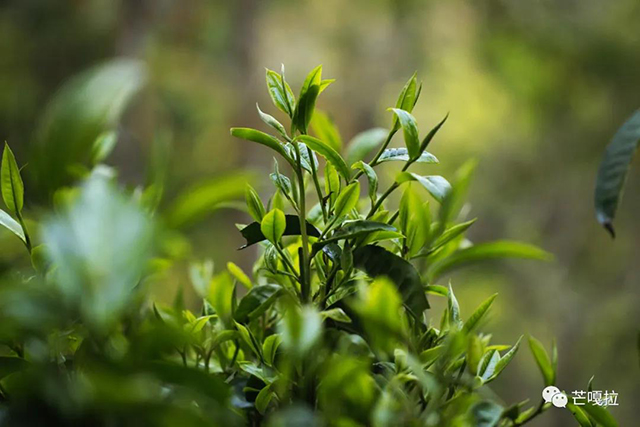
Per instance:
{"type": "Point", "coordinates": [332, 326]}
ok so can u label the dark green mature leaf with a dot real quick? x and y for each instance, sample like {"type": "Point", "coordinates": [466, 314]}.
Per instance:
{"type": "Point", "coordinates": [613, 171]}
{"type": "Point", "coordinates": [486, 251]}
{"type": "Point", "coordinates": [10, 365]}
{"type": "Point", "coordinates": [264, 139]}
{"type": "Point", "coordinates": [328, 153]}
{"type": "Point", "coordinates": [377, 261]}
{"type": "Point", "coordinates": [436, 185]}
{"type": "Point", "coordinates": [486, 414]}
{"type": "Point", "coordinates": [363, 143]}
{"type": "Point", "coordinates": [256, 301]}
{"type": "Point", "coordinates": [402, 154]}
{"type": "Point", "coordinates": [11, 182]}
{"type": "Point", "coordinates": [542, 359]}
{"type": "Point", "coordinates": [600, 415]}
{"type": "Point", "coordinates": [281, 93]}
{"type": "Point", "coordinates": [307, 101]}
{"type": "Point", "coordinates": [12, 225]}
{"type": "Point", "coordinates": [353, 229]}
{"type": "Point", "coordinates": [253, 234]}
{"type": "Point", "coordinates": [410, 131]}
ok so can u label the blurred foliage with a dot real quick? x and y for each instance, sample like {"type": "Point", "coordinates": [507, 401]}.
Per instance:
{"type": "Point", "coordinates": [535, 89]}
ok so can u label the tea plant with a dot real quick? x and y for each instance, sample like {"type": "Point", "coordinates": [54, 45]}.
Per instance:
{"type": "Point", "coordinates": [332, 327]}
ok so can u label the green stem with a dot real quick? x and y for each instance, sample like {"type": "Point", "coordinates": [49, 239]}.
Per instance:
{"type": "Point", "coordinates": [306, 281]}
{"type": "Point", "coordinates": [382, 198]}
{"type": "Point", "coordinates": [539, 410]}
{"type": "Point", "coordinates": [316, 183]}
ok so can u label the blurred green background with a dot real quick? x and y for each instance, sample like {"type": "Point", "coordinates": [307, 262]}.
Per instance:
{"type": "Point", "coordinates": [535, 90]}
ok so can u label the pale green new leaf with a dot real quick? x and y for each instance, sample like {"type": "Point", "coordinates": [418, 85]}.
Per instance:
{"type": "Point", "coordinates": [12, 225]}
{"type": "Point", "coordinates": [347, 200]}
{"type": "Point", "coordinates": [542, 359]}
{"type": "Point", "coordinates": [273, 225]}
{"type": "Point", "coordinates": [410, 131]}
{"type": "Point", "coordinates": [486, 251]}
{"type": "Point", "coordinates": [280, 92]}
{"type": "Point", "coordinates": [272, 121]}
{"type": "Point", "coordinates": [11, 182]}
{"type": "Point", "coordinates": [402, 154]}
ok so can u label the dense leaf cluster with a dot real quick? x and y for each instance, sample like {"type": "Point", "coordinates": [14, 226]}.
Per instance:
{"type": "Point", "coordinates": [332, 326]}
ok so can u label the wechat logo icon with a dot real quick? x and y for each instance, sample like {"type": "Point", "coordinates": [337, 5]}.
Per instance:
{"type": "Point", "coordinates": [553, 395]}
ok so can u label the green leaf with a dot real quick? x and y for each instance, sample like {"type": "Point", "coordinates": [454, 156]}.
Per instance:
{"type": "Point", "coordinates": [281, 182]}
{"type": "Point", "coordinates": [613, 171]}
{"type": "Point", "coordinates": [273, 225]}
{"type": "Point", "coordinates": [600, 415]}
{"type": "Point", "coordinates": [307, 101]}
{"type": "Point", "coordinates": [363, 143]}
{"type": "Point", "coordinates": [12, 225]}
{"type": "Point", "coordinates": [253, 233]}
{"type": "Point", "coordinates": [410, 131]}
{"type": "Point", "coordinates": [200, 275]}
{"type": "Point", "coordinates": [258, 300]}
{"type": "Point", "coordinates": [488, 364]}
{"type": "Point", "coordinates": [415, 221]}
{"type": "Point", "coordinates": [250, 340]}
{"type": "Point", "coordinates": [579, 415]}
{"type": "Point", "coordinates": [325, 84]}
{"type": "Point", "coordinates": [305, 158]}
{"type": "Point", "coordinates": [263, 399]}
{"type": "Point", "coordinates": [85, 107]}
{"type": "Point", "coordinates": [407, 98]}
{"type": "Point", "coordinates": [436, 185]}
{"type": "Point", "coordinates": [326, 130]}
{"type": "Point", "coordinates": [450, 234]}
{"type": "Point", "coordinates": [103, 146]}
{"type": "Point", "coordinates": [347, 199]}
{"type": "Point", "coordinates": [221, 294]}
{"type": "Point", "coordinates": [204, 198]}
{"type": "Point", "coordinates": [486, 414]}
{"type": "Point", "coordinates": [264, 139]}
{"type": "Point", "coordinates": [352, 229]}
{"type": "Point", "coordinates": [372, 178]}
{"type": "Point", "coordinates": [402, 154]}
{"type": "Point", "coordinates": [380, 307]}
{"type": "Point", "coordinates": [254, 204]}
{"type": "Point", "coordinates": [427, 139]}
{"type": "Point", "coordinates": [475, 351]}
{"type": "Point", "coordinates": [473, 320]}
{"type": "Point", "coordinates": [270, 347]}
{"type": "Point", "coordinates": [280, 92]}
{"type": "Point", "coordinates": [336, 314]}
{"type": "Point", "coordinates": [11, 182]}
{"type": "Point", "coordinates": [326, 151]}
{"type": "Point", "coordinates": [239, 275]}
{"type": "Point", "coordinates": [542, 359]}
{"type": "Point", "coordinates": [271, 121]}
{"type": "Point", "coordinates": [453, 309]}
{"type": "Point", "coordinates": [301, 329]}
{"type": "Point", "coordinates": [377, 261]}
{"type": "Point", "coordinates": [504, 360]}
{"type": "Point", "coordinates": [486, 251]}
{"type": "Point", "coordinates": [331, 183]}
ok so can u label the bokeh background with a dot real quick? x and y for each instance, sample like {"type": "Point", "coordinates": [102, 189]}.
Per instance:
{"type": "Point", "coordinates": [535, 90]}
